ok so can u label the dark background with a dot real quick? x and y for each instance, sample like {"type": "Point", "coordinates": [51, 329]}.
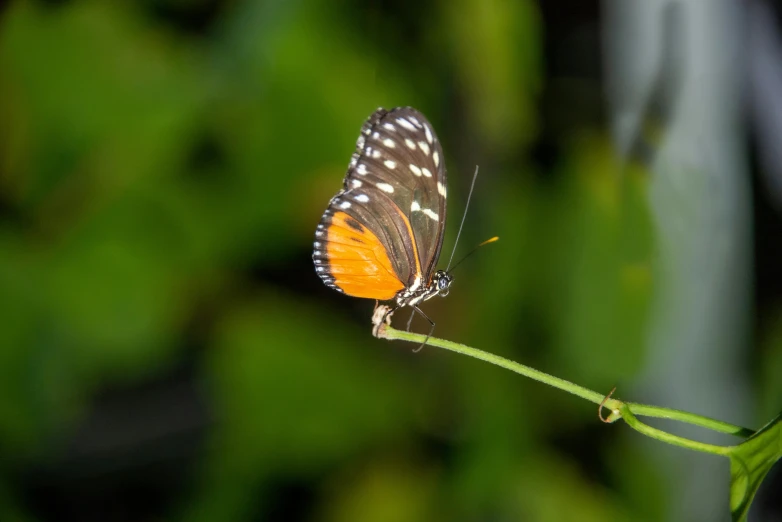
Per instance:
{"type": "Point", "coordinates": [167, 351]}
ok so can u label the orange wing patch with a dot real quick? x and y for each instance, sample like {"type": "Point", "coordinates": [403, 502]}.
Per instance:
{"type": "Point", "coordinates": [358, 261]}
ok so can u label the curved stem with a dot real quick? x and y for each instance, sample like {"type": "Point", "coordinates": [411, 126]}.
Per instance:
{"type": "Point", "coordinates": [626, 410]}
{"type": "Point", "coordinates": [664, 436]}
{"type": "Point", "coordinates": [556, 382]}
{"type": "Point", "coordinates": [647, 410]}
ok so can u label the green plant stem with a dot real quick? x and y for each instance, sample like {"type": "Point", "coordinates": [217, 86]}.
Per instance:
{"type": "Point", "coordinates": [648, 410]}
{"type": "Point", "coordinates": [664, 436]}
{"type": "Point", "coordinates": [585, 393]}
{"type": "Point", "coordinates": [625, 410]}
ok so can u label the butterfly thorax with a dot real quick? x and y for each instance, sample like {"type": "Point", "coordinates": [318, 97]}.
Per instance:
{"type": "Point", "coordinates": [439, 285]}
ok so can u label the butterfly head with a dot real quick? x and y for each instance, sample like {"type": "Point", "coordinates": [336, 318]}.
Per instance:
{"type": "Point", "coordinates": [441, 283]}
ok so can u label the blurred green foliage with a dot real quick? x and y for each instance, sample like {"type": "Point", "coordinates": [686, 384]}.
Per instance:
{"type": "Point", "coordinates": [157, 182]}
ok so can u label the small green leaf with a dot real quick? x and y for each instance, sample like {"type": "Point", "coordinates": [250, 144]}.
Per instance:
{"type": "Point", "coordinates": [750, 462]}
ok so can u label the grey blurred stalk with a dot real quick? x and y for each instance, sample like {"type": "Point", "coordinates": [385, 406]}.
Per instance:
{"type": "Point", "coordinates": [678, 67]}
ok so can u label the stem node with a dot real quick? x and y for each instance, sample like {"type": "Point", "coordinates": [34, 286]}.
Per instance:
{"type": "Point", "coordinates": [615, 413]}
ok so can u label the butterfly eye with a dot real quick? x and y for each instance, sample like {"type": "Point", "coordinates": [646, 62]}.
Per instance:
{"type": "Point", "coordinates": [443, 283]}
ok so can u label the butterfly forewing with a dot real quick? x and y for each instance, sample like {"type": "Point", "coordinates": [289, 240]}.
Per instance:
{"type": "Point", "coordinates": [395, 190]}
{"type": "Point", "coordinates": [400, 156]}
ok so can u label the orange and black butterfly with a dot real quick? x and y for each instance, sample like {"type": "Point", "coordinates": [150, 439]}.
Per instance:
{"type": "Point", "coordinates": [381, 235]}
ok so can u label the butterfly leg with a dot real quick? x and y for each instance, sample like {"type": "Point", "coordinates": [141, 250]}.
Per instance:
{"type": "Point", "coordinates": [431, 329]}
{"type": "Point", "coordinates": [388, 314]}
{"type": "Point", "coordinates": [410, 321]}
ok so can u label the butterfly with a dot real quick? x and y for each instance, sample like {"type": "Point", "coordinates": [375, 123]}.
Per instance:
{"type": "Point", "coordinates": [381, 235]}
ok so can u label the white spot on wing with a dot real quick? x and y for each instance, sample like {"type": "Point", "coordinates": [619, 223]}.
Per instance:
{"type": "Point", "coordinates": [385, 187]}
{"type": "Point", "coordinates": [390, 164]}
{"type": "Point", "coordinates": [426, 172]}
{"type": "Point", "coordinates": [424, 147]}
{"type": "Point", "coordinates": [414, 120]}
{"type": "Point", "coordinates": [429, 213]}
{"type": "Point", "coordinates": [389, 126]}
{"type": "Point", "coordinates": [362, 169]}
{"type": "Point", "coordinates": [441, 189]}
{"type": "Point", "coordinates": [410, 143]}
{"type": "Point", "coordinates": [375, 154]}
{"type": "Point", "coordinates": [416, 207]}
{"type": "Point", "coordinates": [362, 198]}
{"type": "Point", "coordinates": [415, 169]}
{"type": "Point", "coordinates": [317, 244]}
{"type": "Point", "coordinates": [436, 158]}
{"type": "Point", "coordinates": [428, 132]}
{"type": "Point", "coordinates": [375, 135]}
{"type": "Point", "coordinates": [344, 204]}
{"type": "Point", "coordinates": [355, 183]}
{"type": "Point", "coordinates": [388, 142]}
{"type": "Point", "coordinates": [406, 124]}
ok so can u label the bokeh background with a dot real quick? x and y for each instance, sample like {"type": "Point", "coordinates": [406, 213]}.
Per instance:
{"type": "Point", "coordinates": [167, 352]}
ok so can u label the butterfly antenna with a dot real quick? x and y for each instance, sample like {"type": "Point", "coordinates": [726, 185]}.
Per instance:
{"type": "Point", "coordinates": [471, 252]}
{"type": "Point", "coordinates": [461, 226]}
